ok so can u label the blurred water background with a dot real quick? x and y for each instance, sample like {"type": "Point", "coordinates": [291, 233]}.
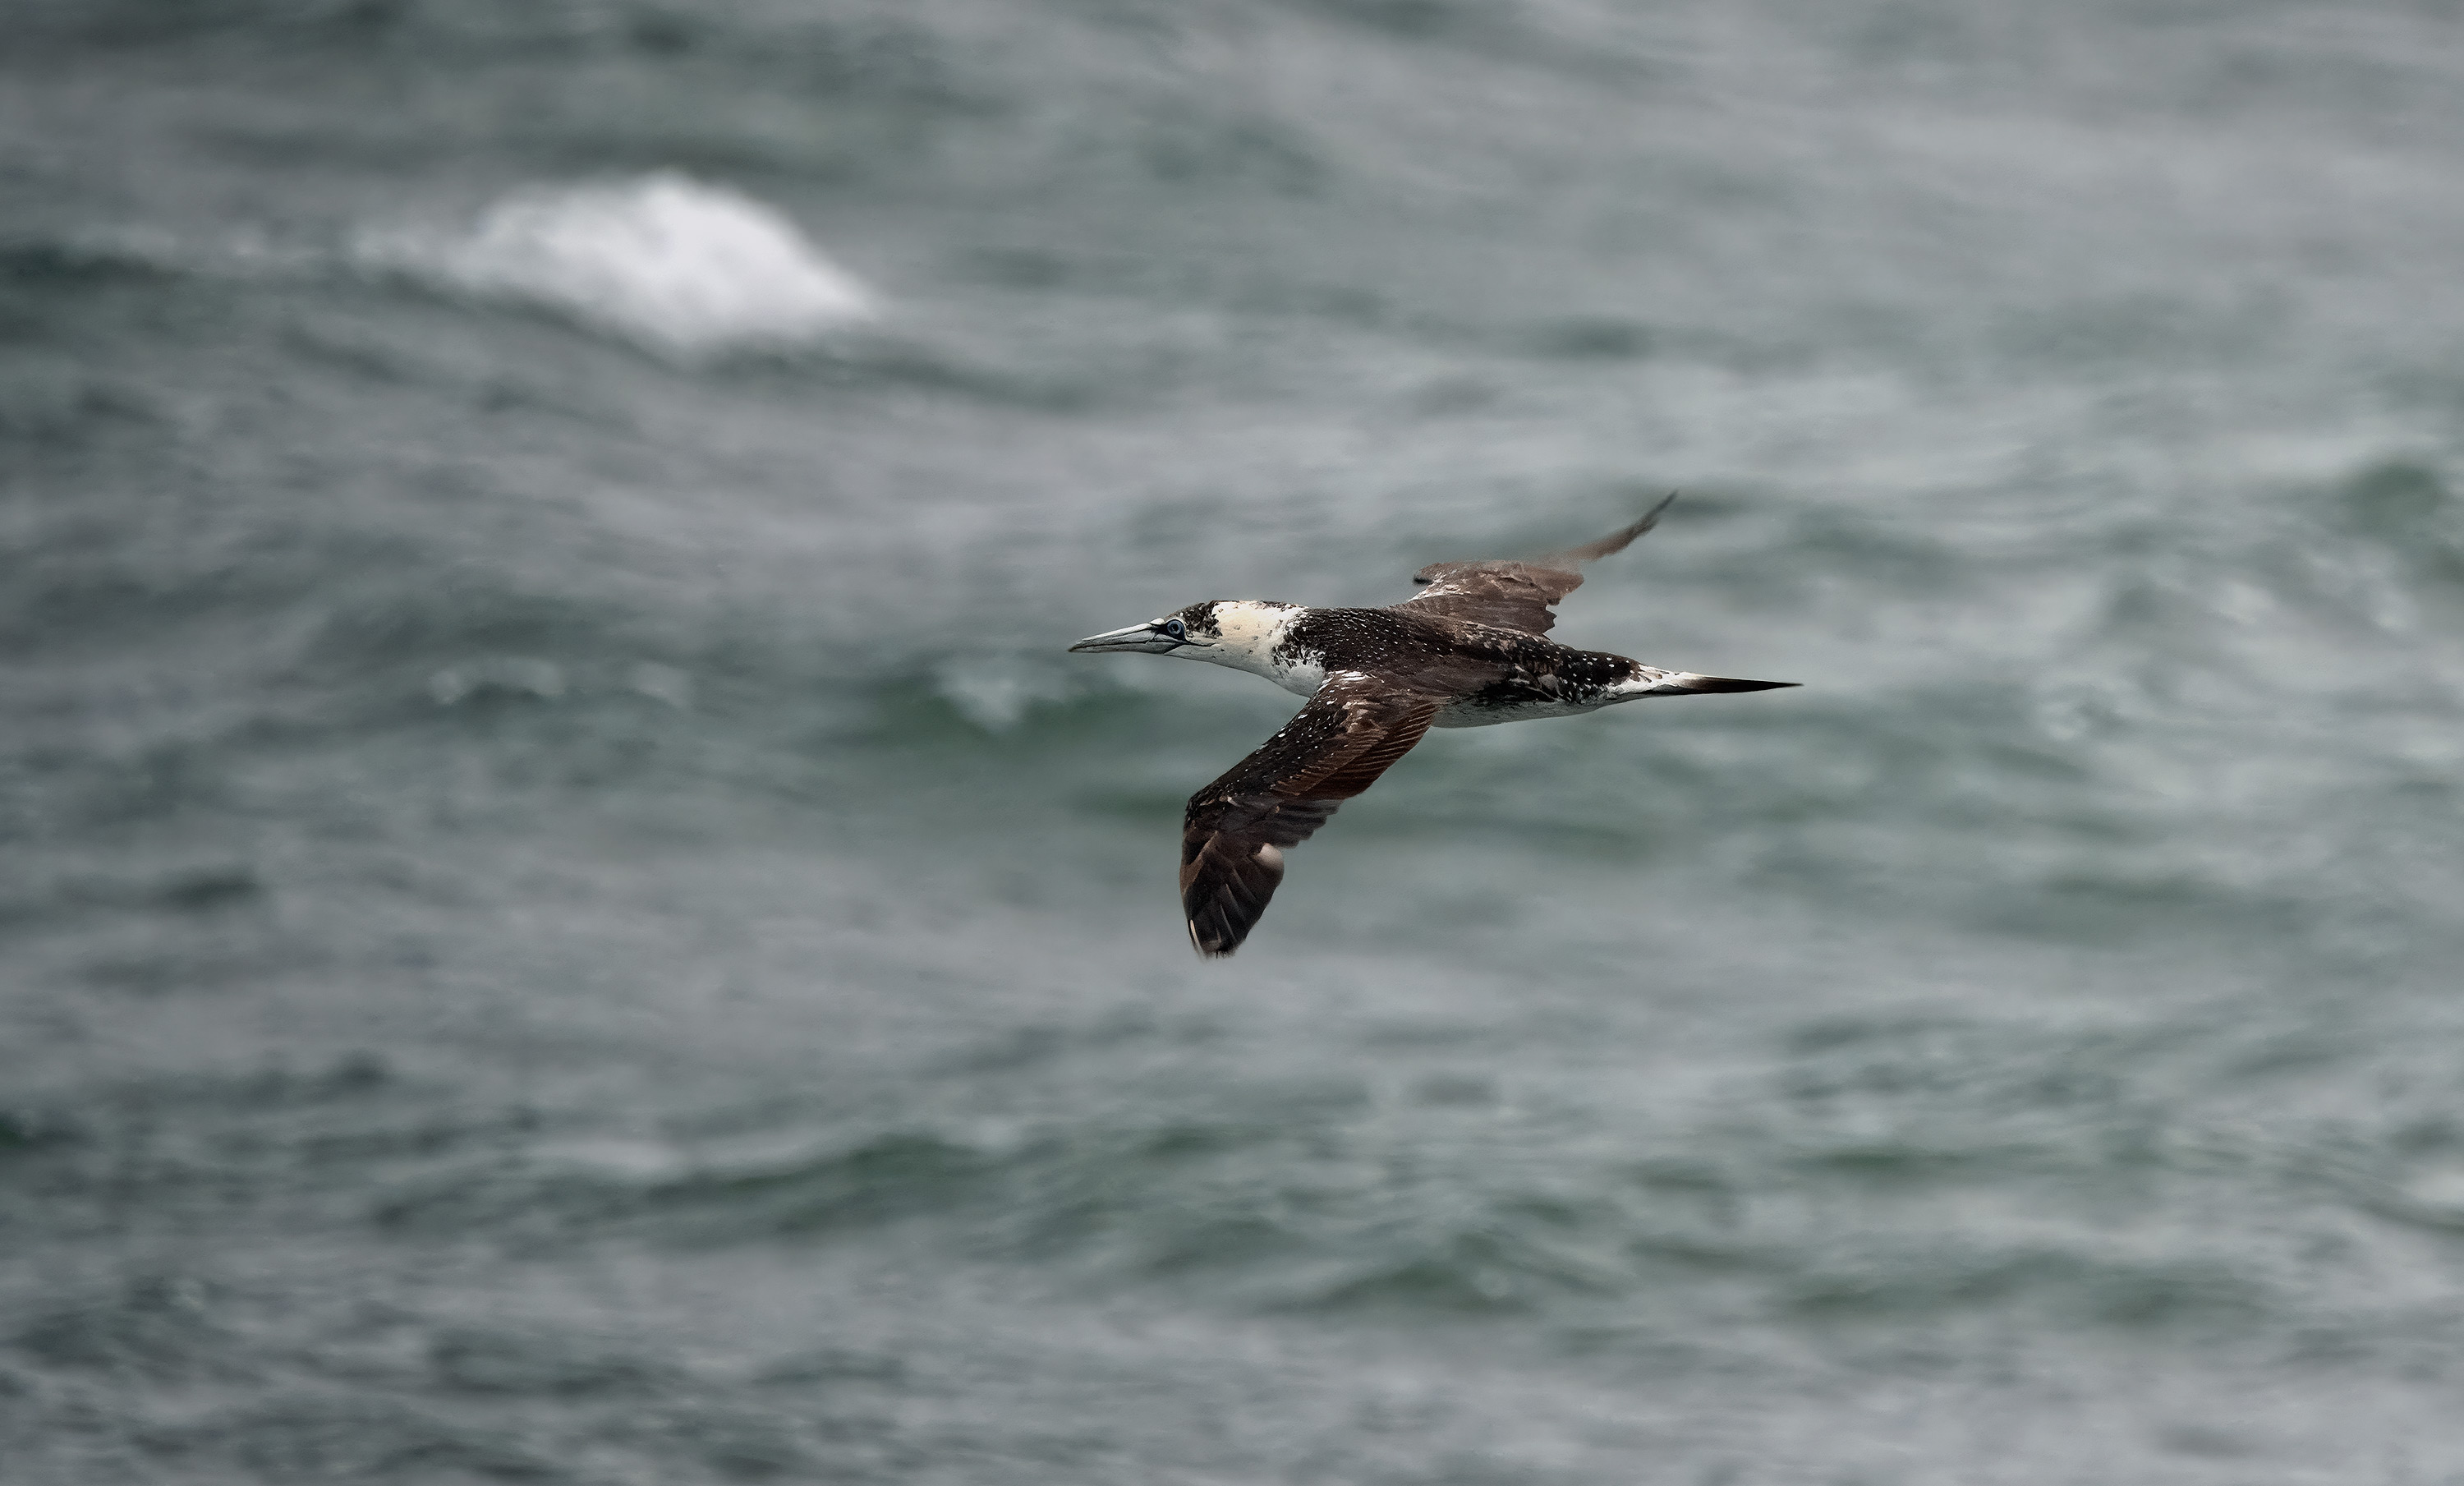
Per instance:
{"type": "Point", "coordinates": [566, 918]}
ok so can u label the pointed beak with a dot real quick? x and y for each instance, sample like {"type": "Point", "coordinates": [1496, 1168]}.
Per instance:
{"type": "Point", "coordinates": [1142, 638]}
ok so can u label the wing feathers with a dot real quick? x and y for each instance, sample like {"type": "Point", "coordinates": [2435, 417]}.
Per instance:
{"type": "Point", "coordinates": [1233, 832]}
{"type": "Point", "coordinates": [1517, 595]}
{"type": "Point", "coordinates": [1615, 542]}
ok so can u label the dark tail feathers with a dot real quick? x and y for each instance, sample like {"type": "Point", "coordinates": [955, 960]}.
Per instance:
{"type": "Point", "coordinates": [1687, 681]}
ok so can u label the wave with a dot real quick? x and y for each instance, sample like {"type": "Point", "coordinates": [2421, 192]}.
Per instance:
{"type": "Point", "coordinates": [682, 268]}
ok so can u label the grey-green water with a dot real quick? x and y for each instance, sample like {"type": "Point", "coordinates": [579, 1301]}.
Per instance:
{"type": "Point", "coordinates": [564, 917]}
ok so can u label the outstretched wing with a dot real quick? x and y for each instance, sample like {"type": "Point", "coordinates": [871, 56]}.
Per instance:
{"type": "Point", "coordinates": [1515, 595]}
{"type": "Point", "coordinates": [1233, 837]}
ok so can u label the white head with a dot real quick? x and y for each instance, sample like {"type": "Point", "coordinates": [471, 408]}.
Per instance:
{"type": "Point", "coordinates": [1242, 634]}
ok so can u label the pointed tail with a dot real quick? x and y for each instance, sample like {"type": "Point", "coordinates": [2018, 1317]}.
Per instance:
{"type": "Point", "coordinates": [1682, 683]}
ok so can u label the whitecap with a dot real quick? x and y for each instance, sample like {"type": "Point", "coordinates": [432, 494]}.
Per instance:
{"type": "Point", "coordinates": [996, 694]}
{"type": "Point", "coordinates": [500, 676]}
{"type": "Point", "coordinates": [679, 266]}
{"type": "Point", "coordinates": [993, 697]}
{"type": "Point", "coordinates": [662, 683]}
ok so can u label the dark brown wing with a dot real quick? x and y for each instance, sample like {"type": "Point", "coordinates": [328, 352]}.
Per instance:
{"type": "Point", "coordinates": [1233, 837]}
{"type": "Point", "coordinates": [1515, 595]}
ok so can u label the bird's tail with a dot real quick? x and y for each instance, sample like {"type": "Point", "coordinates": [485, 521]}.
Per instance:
{"type": "Point", "coordinates": [1686, 683]}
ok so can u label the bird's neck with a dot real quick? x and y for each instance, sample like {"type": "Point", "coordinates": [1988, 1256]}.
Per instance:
{"type": "Point", "coordinates": [1260, 638]}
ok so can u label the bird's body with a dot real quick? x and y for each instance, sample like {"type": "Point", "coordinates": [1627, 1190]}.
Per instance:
{"type": "Point", "coordinates": [1487, 675]}
{"type": "Point", "coordinates": [1471, 651]}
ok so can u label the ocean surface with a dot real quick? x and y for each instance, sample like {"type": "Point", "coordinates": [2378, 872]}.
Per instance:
{"type": "Point", "coordinates": [566, 918]}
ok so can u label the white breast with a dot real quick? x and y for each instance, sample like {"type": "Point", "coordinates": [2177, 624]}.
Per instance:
{"type": "Point", "coordinates": [1300, 674]}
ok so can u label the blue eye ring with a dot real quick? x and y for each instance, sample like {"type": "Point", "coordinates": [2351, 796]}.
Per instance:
{"type": "Point", "coordinates": [1176, 628]}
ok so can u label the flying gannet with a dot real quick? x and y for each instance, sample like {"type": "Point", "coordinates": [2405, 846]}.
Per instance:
{"type": "Point", "coordinates": [1467, 651]}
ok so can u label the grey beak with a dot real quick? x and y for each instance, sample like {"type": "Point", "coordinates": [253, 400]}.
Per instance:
{"type": "Point", "coordinates": [1142, 638]}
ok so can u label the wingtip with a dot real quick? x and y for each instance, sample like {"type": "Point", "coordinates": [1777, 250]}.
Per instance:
{"type": "Point", "coordinates": [1206, 951]}
{"type": "Point", "coordinates": [1616, 541]}
{"type": "Point", "coordinates": [1643, 524]}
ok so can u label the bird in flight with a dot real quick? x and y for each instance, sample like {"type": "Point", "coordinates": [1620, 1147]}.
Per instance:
{"type": "Point", "coordinates": [1469, 650]}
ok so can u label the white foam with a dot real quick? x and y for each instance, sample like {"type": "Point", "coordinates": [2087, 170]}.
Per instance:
{"type": "Point", "coordinates": [662, 683]}
{"type": "Point", "coordinates": [991, 697]}
{"type": "Point", "coordinates": [996, 692]}
{"type": "Point", "coordinates": [681, 267]}
{"type": "Point", "coordinates": [504, 675]}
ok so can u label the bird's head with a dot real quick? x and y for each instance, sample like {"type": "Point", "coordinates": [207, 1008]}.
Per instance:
{"type": "Point", "coordinates": [1227, 632]}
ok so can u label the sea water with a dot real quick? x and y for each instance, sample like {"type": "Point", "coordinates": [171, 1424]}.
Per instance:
{"type": "Point", "coordinates": [566, 918]}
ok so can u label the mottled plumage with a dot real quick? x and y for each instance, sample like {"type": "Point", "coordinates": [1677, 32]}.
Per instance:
{"type": "Point", "coordinates": [1470, 650]}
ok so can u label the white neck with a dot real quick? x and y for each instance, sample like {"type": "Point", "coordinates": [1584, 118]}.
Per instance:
{"type": "Point", "coordinates": [1251, 638]}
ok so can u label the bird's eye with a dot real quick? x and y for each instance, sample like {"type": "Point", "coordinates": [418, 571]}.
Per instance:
{"type": "Point", "coordinates": [1175, 628]}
